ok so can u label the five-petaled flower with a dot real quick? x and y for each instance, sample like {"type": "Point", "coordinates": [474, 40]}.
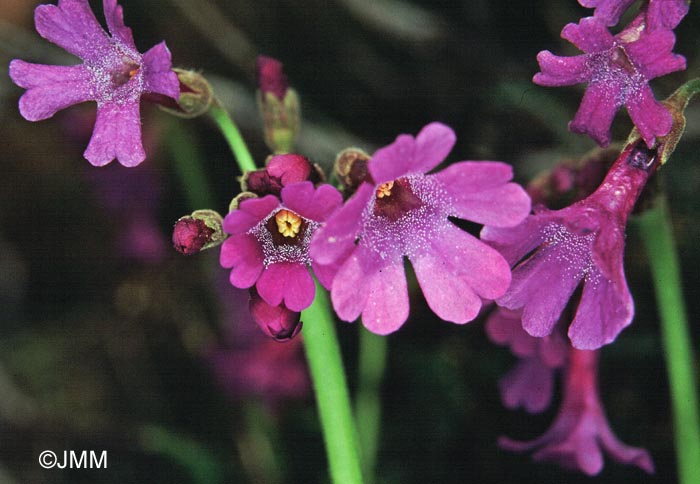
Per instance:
{"type": "Point", "coordinates": [268, 246]}
{"type": "Point", "coordinates": [400, 211]}
{"type": "Point", "coordinates": [113, 73]}
{"type": "Point", "coordinates": [617, 69]}
{"type": "Point", "coordinates": [553, 251]}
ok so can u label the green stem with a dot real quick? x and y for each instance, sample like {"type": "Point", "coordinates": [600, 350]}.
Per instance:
{"type": "Point", "coordinates": [233, 137]}
{"type": "Point", "coordinates": [657, 233]}
{"type": "Point", "coordinates": [330, 386]}
{"type": "Point", "coordinates": [368, 409]}
{"type": "Point", "coordinates": [188, 165]}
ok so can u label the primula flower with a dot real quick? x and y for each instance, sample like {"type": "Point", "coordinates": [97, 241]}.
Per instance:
{"type": "Point", "coordinates": [554, 251]}
{"type": "Point", "coordinates": [580, 433]}
{"type": "Point", "coordinates": [530, 383]}
{"type": "Point", "coordinates": [280, 171]}
{"type": "Point", "coordinates": [113, 73]}
{"type": "Point", "coordinates": [400, 211]}
{"type": "Point", "coordinates": [268, 246]}
{"type": "Point", "coordinates": [617, 69]}
{"type": "Point", "coordinates": [659, 13]}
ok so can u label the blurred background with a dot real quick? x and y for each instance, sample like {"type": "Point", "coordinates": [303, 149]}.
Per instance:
{"type": "Point", "coordinates": [110, 340]}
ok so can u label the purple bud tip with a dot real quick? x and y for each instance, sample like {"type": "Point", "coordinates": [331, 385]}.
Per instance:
{"type": "Point", "coordinates": [190, 235]}
{"type": "Point", "coordinates": [271, 77]}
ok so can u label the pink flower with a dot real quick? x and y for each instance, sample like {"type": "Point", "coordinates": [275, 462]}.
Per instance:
{"type": "Point", "coordinates": [554, 251]}
{"type": "Point", "coordinates": [581, 433]}
{"type": "Point", "coordinates": [268, 246]}
{"type": "Point", "coordinates": [530, 383]}
{"type": "Point", "coordinates": [113, 73]}
{"type": "Point", "coordinates": [659, 13]}
{"type": "Point", "coordinates": [617, 70]}
{"type": "Point", "coordinates": [401, 211]}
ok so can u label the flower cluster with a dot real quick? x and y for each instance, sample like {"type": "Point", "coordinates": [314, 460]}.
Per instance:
{"type": "Point", "coordinates": [618, 68]}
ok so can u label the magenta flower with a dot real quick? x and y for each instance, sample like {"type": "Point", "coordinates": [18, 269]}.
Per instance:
{"type": "Point", "coordinates": [268, 246]}
{"type": "Point", "coordinates": [659, 13]}
{"type": "Point", "coordinates": [278, 322]}
{"type": "Point", "coordinates": [554, 251]}
{"type": "Point", "coordinates": [280, 171]}
{"type": "Point", "coordinates": [402, 212]}
{"type": "Point", "coordinates": [113, 73]}
{"type": "Point", "coordinates": [530, 383]}
{"type": "Point", "coordinates": [617, 69]}
{"type": "Point", "coordinates": [580, 433]}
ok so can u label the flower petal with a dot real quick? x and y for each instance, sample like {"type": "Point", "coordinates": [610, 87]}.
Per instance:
{"type": "Point", "coordinates": [561, 71]}
{"type": "Point", "coordinates": [596, 113]}
{"type": "Point", "coordinates": [387, 305]}
{"type": "Point", "coordinates": [332, 241]}
{"type": "Point", "coordinates": [433, 144]}
{"type": "Point", "coordinates": [590, 35]}
{"type": "Point", "coordinates": [652, 53]}
{"type": "Point", "coordinates": [243, 254]}
{"type": "Point", "coordinates": [480, 193]}
{"type": "Point", "coordinates": [250, 213]}
{"type": "Point", "coordinates": [158, 76]}
{"type": "Point", "coordinates": [115, 22]}
{"type": "Point", "coordinates": [49, 88]}
{"type": "Point", "coordinates": [315, 204]}
{"type": "Point", "coordinates": [349, 290]}
{"type": "Point", "coordinates": [289, 283]}
{"type": "Point", "coordinates": [72, 25]}
{"type": "Point", "coordinates": [605, 309]}
{"type": "Point", "coordinates": [117, 134]}
{"type": "Point", "coordinates": [529, 384]}
{"type": "Point", "coordinates": [651, 118]}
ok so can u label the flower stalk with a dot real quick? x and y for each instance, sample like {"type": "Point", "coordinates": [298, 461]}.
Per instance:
{"type": "Point", "coordinates": [657, 234]}
{"type": "Point", "coordinates": [233, 137]}
{"type": "Point", "coordinates": [330, 387]}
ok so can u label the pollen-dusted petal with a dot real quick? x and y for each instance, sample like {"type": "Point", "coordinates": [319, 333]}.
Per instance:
{"type": "Point", "coordinates": [332, 241]}
{"type": "Point", "coordinates": [289, 283]}
{"type": "Point", "coordinates": [242, 253]}
{"type": "Point", "coordinates": [72, 25]}
{"type": "Point", "coordinates": [561, 71]}
{"type": "Point", "coordinates": [515, 242]}
{"type": "Point", "coordinates": [114, 15]}
{"type": "Point", "coordinates": [350, 287]}
{"type": "Point", "coordinates": [651, 118]}
{"type": "Point", "coordinates": [596, 113]}
{"type": "Point", "coordinates": [589, 35]}
{"type": "Point", "coordinates": [158, 76]}
{"type": "Point", "coordinates": [249, 214]}
{"type": "Point", "coordinates": [387, 305]}
{"type": "Point", "coordinates": [653, 53]}
{"type": "Point", "coordinates": [480, 192]}
{"type": "Point", "coordinates": [49, 88]}
{"type": "Point", "coordinates": [605, 309]}
{"type": "Point", "coordinates": [312, 203]}
{"type": "Point", "coordinates": [117, 134]}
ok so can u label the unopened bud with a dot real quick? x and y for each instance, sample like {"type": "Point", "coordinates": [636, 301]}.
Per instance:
{"type": "Point", "coordinates": [278, 105]}
{"type": "Point", "coordinates": [196, 95]}
{"type": "Point", "coordinates": [199, 231]}
{"type": "Point", "coordinates": [278, 322]}
{"type": "Point", "coordinates": [280, 171]}
{"type": "Point", "coordinates": [351, 168]}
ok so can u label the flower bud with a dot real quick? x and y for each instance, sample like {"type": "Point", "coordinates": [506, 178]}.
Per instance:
{"type": "Point", "coordinates": [199, 231]}
{"type": "Point", "coordinates": [278, 105]}
{"type": "Point", "coordinates": [196, 95]}
{"type": "Point", "coordinates": [278, 322]}
{"type": "Point", "coordinates": [281, 170]}
{"type": "Point", "coordinates": [351, 168]}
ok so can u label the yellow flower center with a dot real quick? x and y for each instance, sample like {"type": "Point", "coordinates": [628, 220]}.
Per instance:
{"type": "Point", "coordinates": [288, 223]}
{"type": "Point", "coordinates": [384, 190]}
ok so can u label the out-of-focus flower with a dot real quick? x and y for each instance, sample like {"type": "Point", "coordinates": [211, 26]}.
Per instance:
{"type": "Point", "coordinates": [554, 251]}
{"type": "Point", "coordinates": [402, 212]}
{"type": "Point", "coordinates": [190, 235]}
{"type": "Point", "coordinates": [581, 433]}
{"type": "Point", "coordinates": [617, 70]}
{"type": "Point", "coordinates": [113, 73]}
{"type": "Point", "coordinates": [278, 105]}
{"type": "Point", "coordinates": [268, 246]}
{"type": "Point", "coordinates": [530, 383]}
